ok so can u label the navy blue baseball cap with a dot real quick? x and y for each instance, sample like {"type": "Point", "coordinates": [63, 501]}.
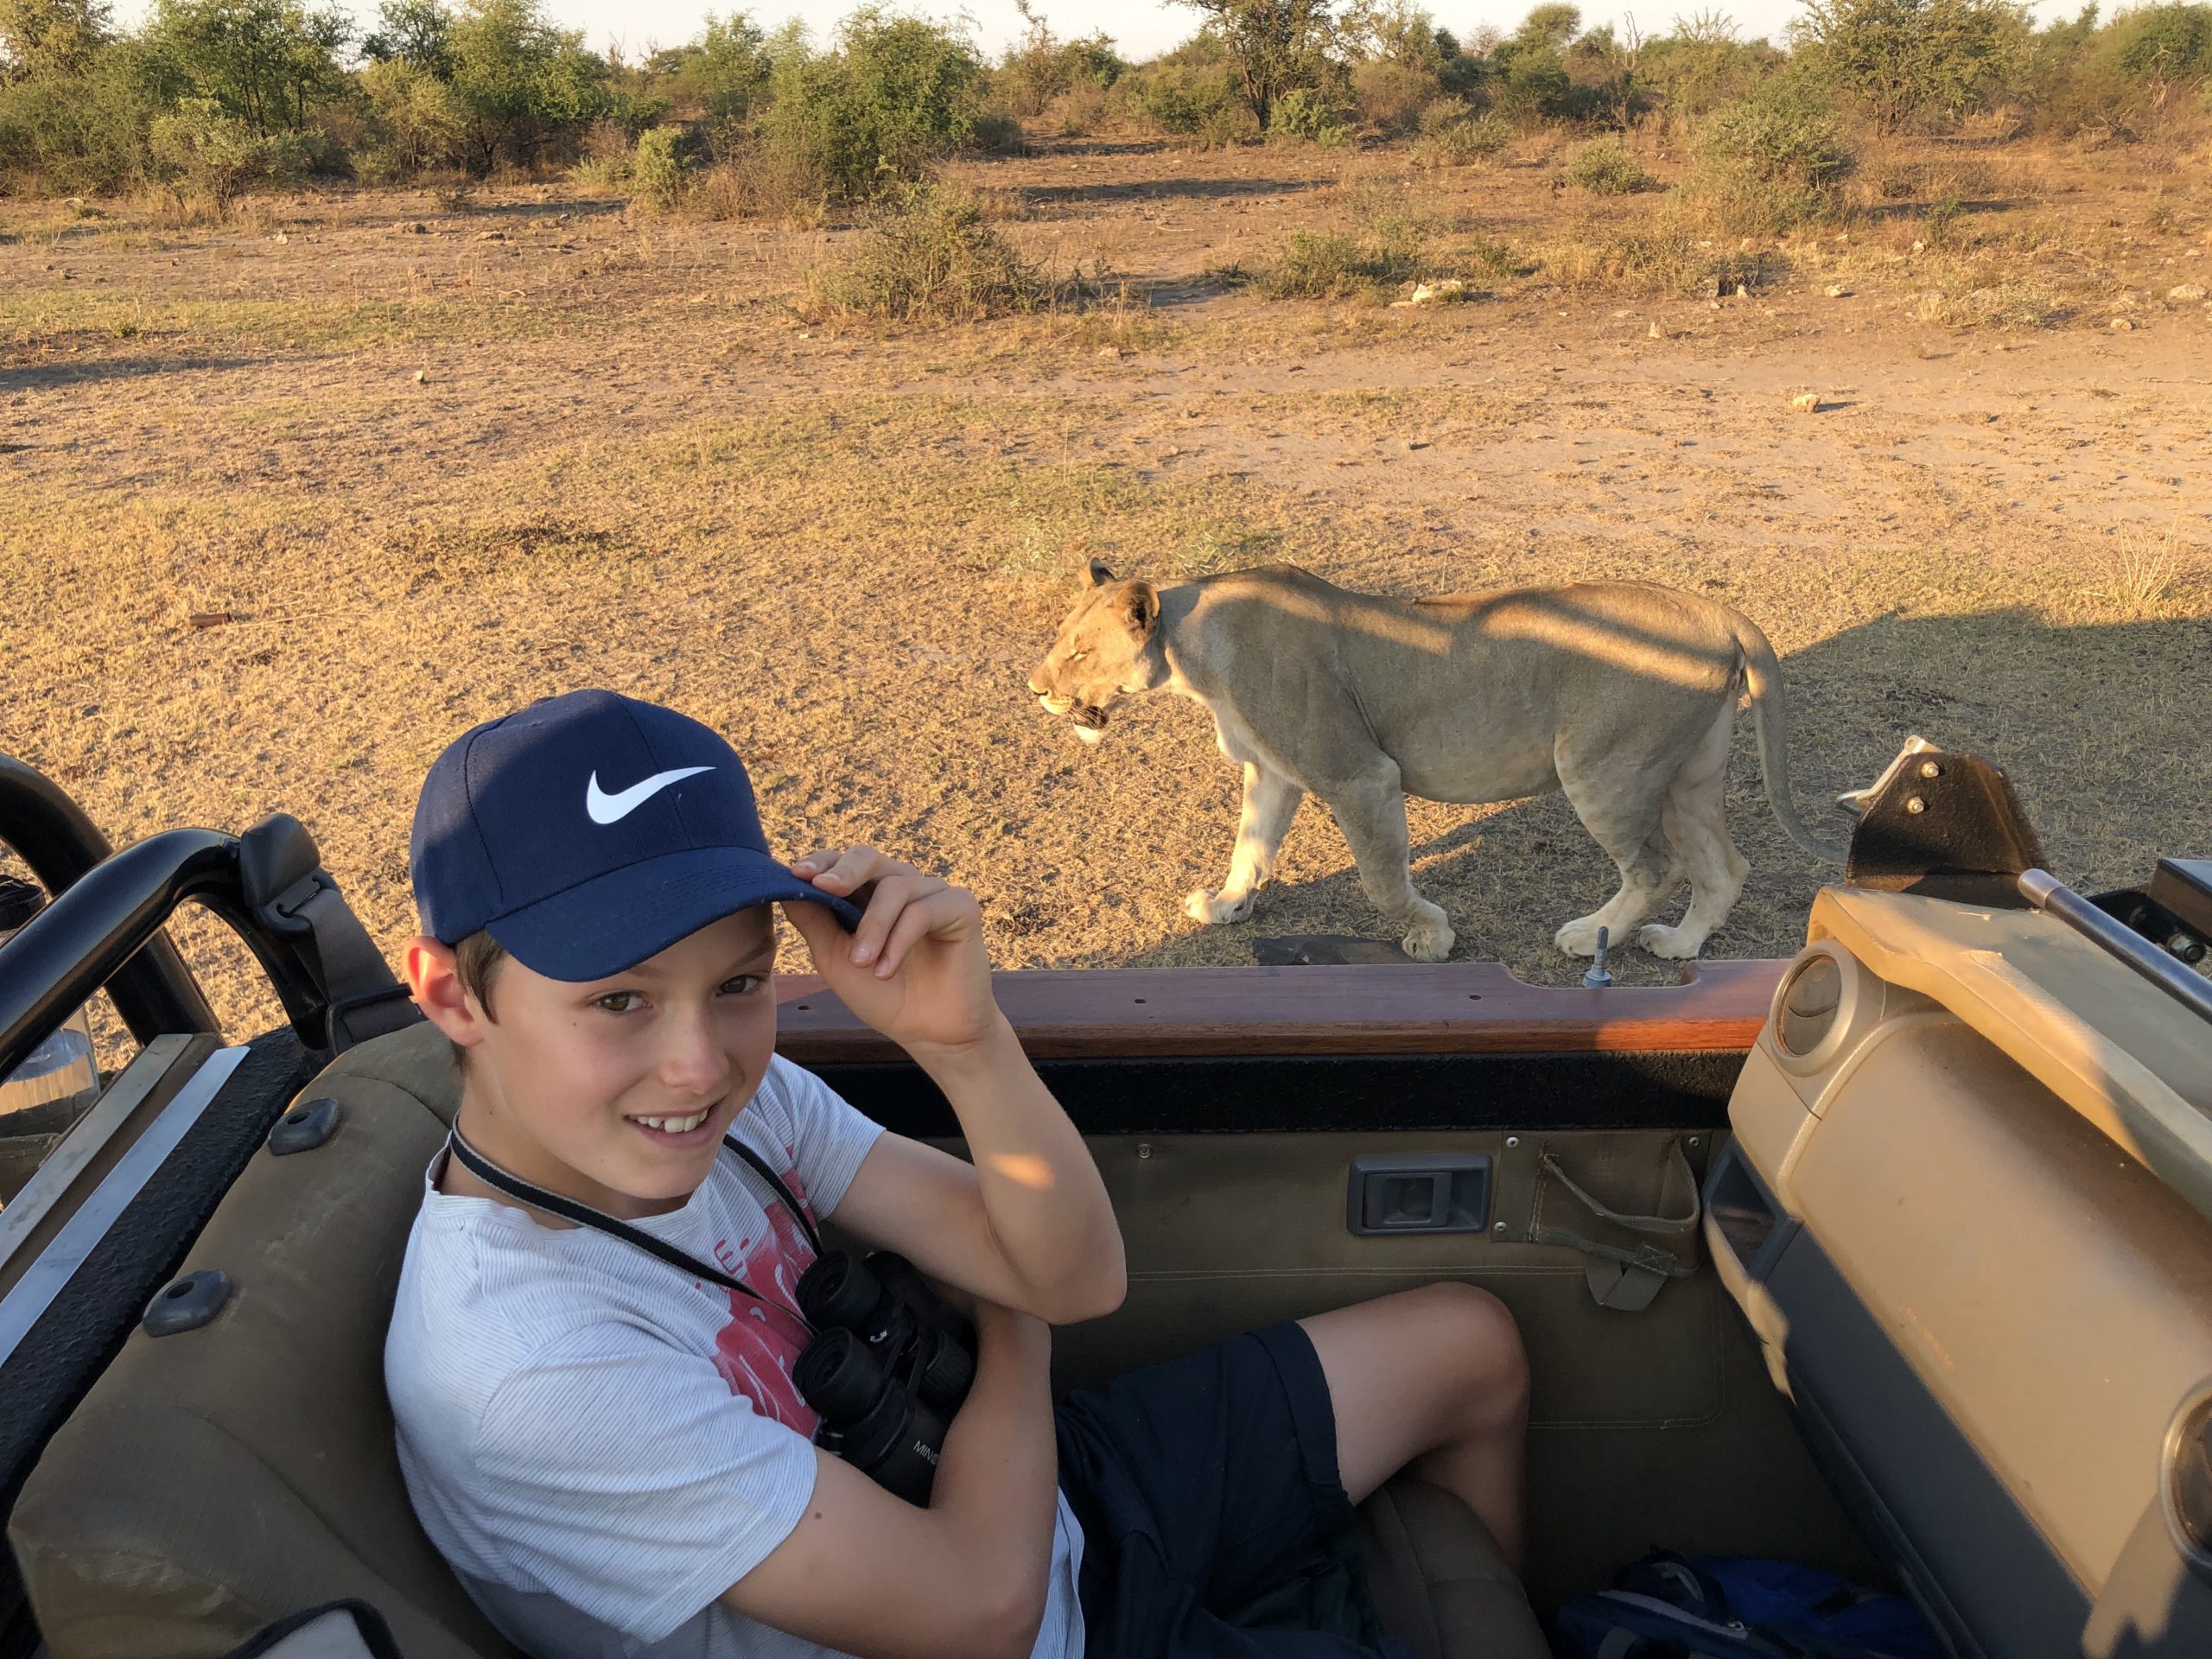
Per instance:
{"type": "Point", "coordinates": [590, 831]}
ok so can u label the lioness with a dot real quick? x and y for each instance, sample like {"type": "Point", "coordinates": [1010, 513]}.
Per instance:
{"type": "Point", "coordinates": [1621, 694]}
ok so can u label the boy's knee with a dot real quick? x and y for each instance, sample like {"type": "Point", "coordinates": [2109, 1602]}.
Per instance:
{"type": "Point", "coordinates": [1485, 1346]}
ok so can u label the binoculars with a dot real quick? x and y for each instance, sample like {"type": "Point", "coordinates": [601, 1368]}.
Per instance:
{"type": "Point", "coordinates": [889, 1365]}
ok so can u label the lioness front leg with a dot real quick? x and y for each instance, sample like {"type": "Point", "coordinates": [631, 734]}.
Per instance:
{"type": "Point", "coordinates": [1270, 802]}
{"type": "Point", "coordinates": [1372, 815]}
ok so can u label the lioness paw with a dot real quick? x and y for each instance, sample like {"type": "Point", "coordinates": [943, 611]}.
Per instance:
{"type": "Point", "coordinates": [1674, 943]}
{"type": "Point", "coordinates": [1429, 939]}
{"type": "Point", "coordinates": [1578, 937]}
{"type": "Point", "coordinates": [1204, 906]}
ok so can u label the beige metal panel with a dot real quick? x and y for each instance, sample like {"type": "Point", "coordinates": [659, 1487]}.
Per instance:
{"type": "Point", "coordinates": [2051, 1292]}
{"type": "Point", "coordinates": [2129, 1058]}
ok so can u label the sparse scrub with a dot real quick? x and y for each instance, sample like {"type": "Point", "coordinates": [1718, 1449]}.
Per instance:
{"type": "Point", "coordinates": [930, 257]}
{"type": "Point", "coordinates": [1660, 257]}
{"type": "Point", "coordinates": [1336, 265]}
{"type": "Point", "coordinates": [1604, 168]}
{"type": "Point", "coordinates": [2012, 302]}
{"type": "Point", "coordinates": [2139, 575]}
{"type": "Point", "coordinates": [1459, 138]}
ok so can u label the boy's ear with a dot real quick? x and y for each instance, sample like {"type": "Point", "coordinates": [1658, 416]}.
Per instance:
{"type": "Point", "coordinates": [436, 981]}
{"type": "Point", "coordinates": [1096, 575]}
{"type": "Point", "coordinates": [1139, 609]}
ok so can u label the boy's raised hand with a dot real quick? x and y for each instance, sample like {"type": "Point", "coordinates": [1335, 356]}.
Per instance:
{"type": "Point", "coordinates": [915, 969]}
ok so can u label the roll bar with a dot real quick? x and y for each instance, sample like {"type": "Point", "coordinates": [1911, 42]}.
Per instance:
{"type": "Point", "coordinates": [153, 991]}
{"type": "Point", "coordinates": [269, 885]}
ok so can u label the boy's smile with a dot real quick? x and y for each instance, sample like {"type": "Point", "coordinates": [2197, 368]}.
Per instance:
{"type": "Point", "coordinates": [617, 1092]}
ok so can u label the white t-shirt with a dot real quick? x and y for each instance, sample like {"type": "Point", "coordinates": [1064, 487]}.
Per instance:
{"type": "Point", "coordinates": [599, 1444]}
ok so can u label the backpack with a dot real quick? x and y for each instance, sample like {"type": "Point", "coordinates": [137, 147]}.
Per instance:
{"type": "Point", "coordinates": [1671, 1606]}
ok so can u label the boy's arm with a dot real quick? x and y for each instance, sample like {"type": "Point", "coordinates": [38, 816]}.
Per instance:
{"type": "Point", "coordinates": [1026, 1223]}
{"type": "Point", "coordinates": [868, 1574]}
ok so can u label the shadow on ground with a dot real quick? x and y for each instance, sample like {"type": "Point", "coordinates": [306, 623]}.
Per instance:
{"type": "Point", "coordinates": [2099, 726]}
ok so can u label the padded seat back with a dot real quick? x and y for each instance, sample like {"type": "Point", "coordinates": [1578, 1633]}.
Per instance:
{"type": "Point", "coordinates": [217, 1480]}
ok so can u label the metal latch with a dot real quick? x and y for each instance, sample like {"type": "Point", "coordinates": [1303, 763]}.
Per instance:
{"type": "Point", "coordinates": [1419, 1192]}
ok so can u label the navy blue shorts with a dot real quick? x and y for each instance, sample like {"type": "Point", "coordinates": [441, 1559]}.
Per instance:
{"type": "Point", "coordinates": [1214, 1524]}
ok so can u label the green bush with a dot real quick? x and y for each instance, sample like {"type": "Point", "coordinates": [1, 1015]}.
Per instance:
{"type": "Point", "coordinates": [1603, 168]}
{"type": "Point", "coordinates": [1190, 92]}
{"type": "Point", "coordinates": [1309, 115]}
{"type": "Point", "coordinates": [77, 133]}
{"type": "Point", "coordinates": [1391, 95]}
{"type": "Point", "coordinates": [1462, 142]}
{"type": "Point", "coordinates": [929, 255]}
{"type": "Point", "coordinates": [415, 122]}
{"type": "Point", "coordinates": [217, 155]}
{"type": "Point", "coordinates": [660, 172]}
{"type": "Point", "coordinates": [265, 63]}
{"type": "Point", "coordinates": [1769, 162]}
{"type": "Point", "coordinates": [897, 95]}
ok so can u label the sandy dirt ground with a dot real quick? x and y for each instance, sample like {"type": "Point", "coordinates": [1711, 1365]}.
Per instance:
{"type": "Point", "coordinates": [288, 504]}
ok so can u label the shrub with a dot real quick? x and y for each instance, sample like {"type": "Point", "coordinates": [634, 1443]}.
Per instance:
{"type": "Point", "coordinates": [1189, 94]}
{"type": "Point", "coordinates": [930, 257]}
{"type": "Point", "coordinates": [1335, 265]}
{"type": "Point", "coordinates": [897, 95]}
{"type": "Point", "coordinates": [264, 63]}
{"type": "Point", "coordinates": [1769, 162]}
{"type": "Point", "coordinates": [1391, 95]}
{"type": "Point", "coordinates": [660, 172]}
{"type": "Point", "coordinates": [1603, 168]}
{"type": "Point", "coordinates": [1309, 115]}
{"type": "Point", "coordinates": [1451, 137]}
{"type": "Point", "coordinates": [1660, 257]}
{"type": "Point", "coordinates": [76, 133]}
{"type": "Point", "coordinates": [217, 155]}
{"type": "Point", "coordinates": [414, 121]}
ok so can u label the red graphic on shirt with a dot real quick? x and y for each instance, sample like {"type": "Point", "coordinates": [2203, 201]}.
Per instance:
{"type": "Point", "coordinates": [755, 1351]}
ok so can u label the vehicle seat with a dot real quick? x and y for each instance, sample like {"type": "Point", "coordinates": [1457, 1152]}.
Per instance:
{"type": "Point", "coordinates": [216, 1480]}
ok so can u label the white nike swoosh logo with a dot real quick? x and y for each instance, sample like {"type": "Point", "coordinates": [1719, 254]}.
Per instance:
{"type": "Point", "coordinates": [612, 809]}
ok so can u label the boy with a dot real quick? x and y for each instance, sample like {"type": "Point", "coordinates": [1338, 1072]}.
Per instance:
{"type": "Point", "coordinates": [608, 1447]}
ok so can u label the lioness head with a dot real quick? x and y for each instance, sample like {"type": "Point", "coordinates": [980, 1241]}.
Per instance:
{"type": "Point", "coordinates": [1104, 651]}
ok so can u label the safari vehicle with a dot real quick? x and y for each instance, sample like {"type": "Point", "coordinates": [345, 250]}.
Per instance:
{"type": "Point", "coordinates": [1896, 1258]}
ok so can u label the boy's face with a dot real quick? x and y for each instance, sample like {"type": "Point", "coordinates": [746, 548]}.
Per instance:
{"type": "Point", "coordinates": [617, 1091]}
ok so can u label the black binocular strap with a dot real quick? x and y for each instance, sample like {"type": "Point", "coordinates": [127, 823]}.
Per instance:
{"type": "Point", "coordinates": [583, 1215]}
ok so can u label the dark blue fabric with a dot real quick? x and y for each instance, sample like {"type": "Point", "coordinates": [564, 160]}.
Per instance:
{"type": "Point", "coordinates": [589, 831]}
{"type": "Point", "coordinates": [1214, 1524]}
{"type": "Point", "coordinates": [1742, 1607]}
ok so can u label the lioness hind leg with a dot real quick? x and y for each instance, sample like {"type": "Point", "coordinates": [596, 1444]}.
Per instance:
{"type": "Point", "coordinates": [1696, 822]}
{"type": "Point", "coordinates": [1270, 802]}
{"type": "Point", "coordinates": [1622, 817]}
{"type": "Point", "coordinates": [1372, 815]}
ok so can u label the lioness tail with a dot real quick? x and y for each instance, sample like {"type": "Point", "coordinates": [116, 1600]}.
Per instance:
{"type": "Point", "coordinates": [1763, 678]}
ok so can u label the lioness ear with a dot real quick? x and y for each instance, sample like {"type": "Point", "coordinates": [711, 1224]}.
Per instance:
{"type": "Point", "coordinates": [1139, 609]}
{"type": "Point", "coordinates": [1096, 575]}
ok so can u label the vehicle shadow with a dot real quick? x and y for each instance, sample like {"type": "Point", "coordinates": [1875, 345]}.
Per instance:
{"type": "Point", "coordinates": [2098, 726]}
{"type": "Point", "coordinates": [1196, 189]}
{"type": "Point", "coordinates": [72, 371]}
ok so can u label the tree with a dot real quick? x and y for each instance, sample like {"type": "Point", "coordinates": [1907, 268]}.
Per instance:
{"type": "Point", "coordinates": [1912, 60]}
{"type": "Point", "coordinates": [524, 84]}
{"type": "Point", "coordinates": [265, 62]}
{"type": "Point", "coordinates": [417, 33]}
{"type": "Point", "coordinates": [51, 37]}
{"type": "Point", "coordinates": [1277, 45]}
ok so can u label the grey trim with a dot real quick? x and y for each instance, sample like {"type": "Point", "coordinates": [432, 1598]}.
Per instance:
{"type": "Point", "coordinates": [85, 1140]}
{"type": "Point", "coordinates": [45, 1278]}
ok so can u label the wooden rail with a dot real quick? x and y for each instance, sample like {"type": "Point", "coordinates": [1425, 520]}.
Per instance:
{"type": "Point", "coordinates": [1474, 1007]}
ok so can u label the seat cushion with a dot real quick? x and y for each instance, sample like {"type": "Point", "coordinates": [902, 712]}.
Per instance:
{"type": "Point", "coordinates": [215, 1480]}
{"type": "Point", "coordinates": [1440, 1583]}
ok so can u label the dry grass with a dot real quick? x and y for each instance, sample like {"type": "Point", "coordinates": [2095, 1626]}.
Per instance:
{"type": "Point", "coordinates": [629, 464]}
